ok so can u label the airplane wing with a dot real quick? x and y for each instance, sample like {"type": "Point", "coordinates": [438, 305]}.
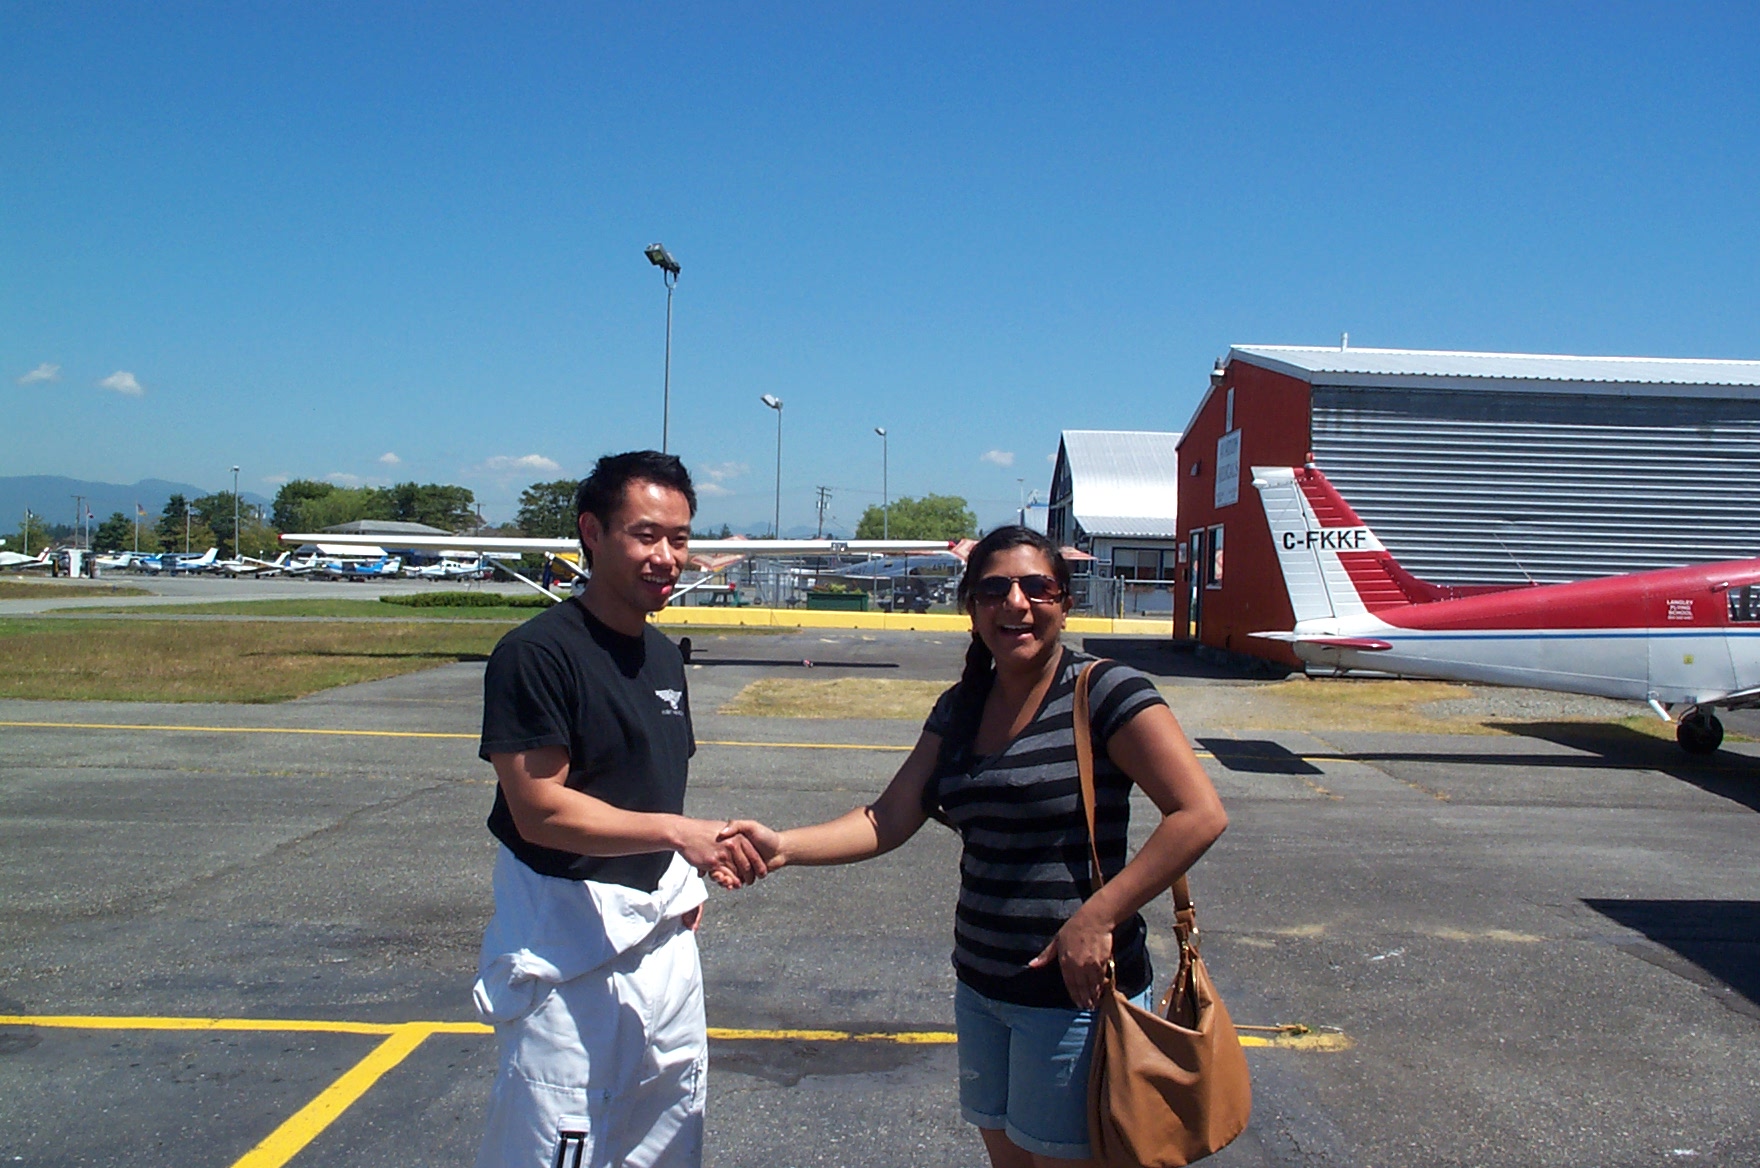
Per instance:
{"type": "Point", "coordinates": [516, 546]}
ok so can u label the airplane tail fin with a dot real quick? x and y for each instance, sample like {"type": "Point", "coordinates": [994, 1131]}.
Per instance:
{"type": "Point", "coordinates": [1333, 565]}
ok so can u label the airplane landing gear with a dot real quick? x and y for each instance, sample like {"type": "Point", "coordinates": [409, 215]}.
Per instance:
{"type": "Point", "coordinates": [1699, 732]}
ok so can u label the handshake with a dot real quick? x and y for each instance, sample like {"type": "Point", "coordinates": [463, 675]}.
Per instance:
{"type": "Point", "coordinates": [734, 853]}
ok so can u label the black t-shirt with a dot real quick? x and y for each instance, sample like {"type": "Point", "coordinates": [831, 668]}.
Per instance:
{"type": "Point", "coordinates": [617, 703]}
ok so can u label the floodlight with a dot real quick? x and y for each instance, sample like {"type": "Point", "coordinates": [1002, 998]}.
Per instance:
{"type": "Point", "coordinates": [661, 258]}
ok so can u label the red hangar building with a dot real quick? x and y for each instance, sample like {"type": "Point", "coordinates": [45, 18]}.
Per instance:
{"type": "Point", "coordinates": [1473, 468]}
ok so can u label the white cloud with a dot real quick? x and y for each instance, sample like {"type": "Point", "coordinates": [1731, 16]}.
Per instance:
{"type": "Point", "coordinates": [43, 372]}
{"type": "Point", "coordinates": [389, 458]}
{"type": "Point", "coordinates": [997, 457]}
{"type": "Point", "coordinates": [123, 382]}
{"type": "Point", "coordinates": [344, 479]}
{"type": "Point", "coordinates": [712, 490]}
{"type": "Point", "coordinates": [276, 480]}
{"type": "Point", "coordinates": [719, 472]}
{"type": "Point", "coordinates": [1051, 458]}
{"type": "Point", "coordinates": [510, 464]}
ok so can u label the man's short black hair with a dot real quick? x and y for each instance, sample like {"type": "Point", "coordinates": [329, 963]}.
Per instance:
{"type": "Point", "coordinates": [602, 491]}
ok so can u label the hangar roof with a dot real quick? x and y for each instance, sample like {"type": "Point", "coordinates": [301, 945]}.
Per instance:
{"type": "Point", "coordinates": [1124, 482]}
{"type": "Point", "coordinates": [1421, 367]}
{"type": "Point", "coordinates": [384, 527]}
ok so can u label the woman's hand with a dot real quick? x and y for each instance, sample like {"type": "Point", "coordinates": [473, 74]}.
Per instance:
{"type": "Point", "coordinates": [1081, 950]}
{"type": "Point", "coordinates": [766, 841]}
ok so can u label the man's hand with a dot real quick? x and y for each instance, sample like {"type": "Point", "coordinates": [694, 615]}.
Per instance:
{"type": "Point", "coordinates": [729, 860]}
{"type": "Point", "coordinates": [765, 843]}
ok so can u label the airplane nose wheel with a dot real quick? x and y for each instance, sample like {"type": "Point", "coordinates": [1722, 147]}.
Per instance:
{"type": "Point", "coordinates": [1699, 733]}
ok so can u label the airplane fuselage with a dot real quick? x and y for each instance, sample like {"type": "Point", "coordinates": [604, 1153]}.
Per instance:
{"type": "Point", "coordinates": [1679, 635]}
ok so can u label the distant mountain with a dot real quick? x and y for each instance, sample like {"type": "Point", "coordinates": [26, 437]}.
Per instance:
{"type": "Point", "coordinates": [51, 496]}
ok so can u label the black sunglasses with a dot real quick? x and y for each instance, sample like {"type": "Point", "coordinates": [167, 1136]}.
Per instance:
{"type": "Point", "coordinates": [1036, 588]}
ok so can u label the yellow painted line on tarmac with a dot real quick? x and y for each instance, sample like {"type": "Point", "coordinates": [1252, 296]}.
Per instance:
{"type": "Point", "coordinates": [322, 732]}
{"type": "Point", "coordinates": [304, 1125]}
{"type": "Point", "coordinates": [239, 730]}
{"type": "Point", "coordinates": [402, 1038]}
{"type": "Point", "coordinates": [1303, 1040]}
{"type": "Point", "coordinates": [903, 1037]}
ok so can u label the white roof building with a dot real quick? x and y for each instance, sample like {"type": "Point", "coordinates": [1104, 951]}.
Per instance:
{"type": "Point", "coordinates": [1114, 484]}
{"type": "Point", "coordinates": [1439, 369]}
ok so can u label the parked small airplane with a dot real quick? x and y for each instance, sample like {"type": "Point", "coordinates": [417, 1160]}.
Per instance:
{"type": "Point", "coordinates": [17, 561]}
{"type": "Point", "coordinates": [1685, 640]}
{"type": "Point", "coordinates": [383, 568]}
{"type": "Point", "coordinates": [450, 568]}
{"type": "Point", "coordinates": [184, 564]}
{"type": "Point", "coordinates": [251, 566]}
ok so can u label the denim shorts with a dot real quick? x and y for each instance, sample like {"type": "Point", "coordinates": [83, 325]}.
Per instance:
{"type": "Point", "coordinates": [1024, 1070]}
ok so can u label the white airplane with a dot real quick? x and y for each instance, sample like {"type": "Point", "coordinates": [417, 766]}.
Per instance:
{"type": "Point", "coordinates": [715, 554]}
{"type": "Point", "coordinates": [1684, 640]}
{"type": "Point", "coordinates": [185, 563]}
{"type": "Point", "coordinates": [17, 561]}
{"type": "Point", "coordinates": [383, 568]}
{"type": "Point", "coordinates": [452, 568]}
{"type": "Point", "coordinates": [251, 566]}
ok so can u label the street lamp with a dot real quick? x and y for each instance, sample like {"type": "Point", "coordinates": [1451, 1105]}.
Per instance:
{"type": "Point", "coordinates": [187, 509]}
{"type": "Point", "coordinates": [775, 403]}
{"type": "Point", "coordinates": [662, 259]}
{"type": "Point", "coordinates": [235, 552]}
{"type": "Point", "coordinates": [885, 495]}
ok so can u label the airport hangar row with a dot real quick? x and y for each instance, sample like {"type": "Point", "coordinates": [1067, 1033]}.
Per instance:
{"type": "Point", "coordinates": [1472, 468]}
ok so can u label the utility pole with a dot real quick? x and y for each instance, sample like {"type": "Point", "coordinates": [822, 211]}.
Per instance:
{"type": "Point", "coordinates": [79, 519]}
{"type": "Point", "coordinates": [824, 500]}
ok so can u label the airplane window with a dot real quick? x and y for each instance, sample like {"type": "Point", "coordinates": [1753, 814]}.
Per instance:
{"type": "Point", "coordinates": [1744, 604]}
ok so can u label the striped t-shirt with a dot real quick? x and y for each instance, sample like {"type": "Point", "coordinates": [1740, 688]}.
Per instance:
{"type": "Point", "coordinates": [1024, 870]}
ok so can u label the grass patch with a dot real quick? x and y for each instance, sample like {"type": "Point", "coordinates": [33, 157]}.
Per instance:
{"type": "Point", "coordinates": [845, 697]}
{"type": "Point", "coordinates": [1322, 707]}
{"type": "Point", "coordinates": [170, 661]}
{"type": "Point", "coordinates": [39, 589]}
{"type": "Point", "coordinates": [296, 606]}
{"type": "Point", "coordinates": [466, 600]}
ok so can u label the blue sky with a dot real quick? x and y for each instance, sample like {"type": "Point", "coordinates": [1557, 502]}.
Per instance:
{"type": "Point", "coordinates": [311, 238]}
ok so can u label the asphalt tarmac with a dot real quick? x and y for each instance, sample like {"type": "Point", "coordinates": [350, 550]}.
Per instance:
{"type": "Point", "coordinates": [1537, 948]}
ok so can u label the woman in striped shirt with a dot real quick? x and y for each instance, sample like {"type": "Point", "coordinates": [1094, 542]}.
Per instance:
{"type": "Point", "coordinates": [996, 760]}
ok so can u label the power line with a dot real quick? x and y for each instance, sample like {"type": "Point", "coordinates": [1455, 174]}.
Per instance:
{"type": "Point", "coordinates": [824, 501]}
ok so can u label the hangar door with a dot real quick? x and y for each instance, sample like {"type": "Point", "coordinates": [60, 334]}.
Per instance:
{"type": "Point", "coordinates": [1497, 485]}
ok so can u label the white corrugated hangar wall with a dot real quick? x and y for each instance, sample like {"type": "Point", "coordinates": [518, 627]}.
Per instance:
{"type": "Point", "coordinates": [1488, 485]}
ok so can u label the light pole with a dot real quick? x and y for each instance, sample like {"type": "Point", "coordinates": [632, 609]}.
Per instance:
{"type": "Point", "coordinates": [187, 508]}
{"type": "Point", "coordinates": [235, 552]}
{"type": "Point", "coordinates": [1022, 484]}
{"type": "Point", "coordinates": [885, 495]}
{"type": "Point", "coordinates": [662, 259]}
{"type": "Point", "coordinates": [775, 403]}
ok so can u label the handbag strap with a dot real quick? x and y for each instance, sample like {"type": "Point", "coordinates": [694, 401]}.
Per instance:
{"type": "Point", "coordinates": [1184, 915]}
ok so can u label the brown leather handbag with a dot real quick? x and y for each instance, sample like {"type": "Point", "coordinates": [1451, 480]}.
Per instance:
{"type": "Point", "coordinates": [1169, 1087]}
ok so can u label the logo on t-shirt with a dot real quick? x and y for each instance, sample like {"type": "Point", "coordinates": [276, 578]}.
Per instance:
{"type": "Point", "coordinates": [671, 697]}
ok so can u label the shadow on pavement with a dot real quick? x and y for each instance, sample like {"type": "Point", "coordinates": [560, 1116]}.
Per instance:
{"type": "Point", "coordinates": [1720, 939]}
{"type": "Point", "coordinates": [1257, 756]}
{"type": "Point", "coordinates": [1727, 775]}
{"type": "Point", "coordinates": [1168, 658]}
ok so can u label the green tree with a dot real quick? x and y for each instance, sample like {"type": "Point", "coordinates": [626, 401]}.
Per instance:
{"type": "Point", "coordinates": [546, 510]}
{"type": "Point", "coordinates": [215, 512]}
{"type": "Point", "coordinates": [436, 504]}
{"type": "Point", "coordinates": [32, 536]}
{"type": "Point", "coordinates": [287, 513]}
{"type": "Point", "coordinates": [115, 534]}
{"type": "Point", "coordinates": [931, 517]}
{"type": "Point", "coordinates": [171, 527]}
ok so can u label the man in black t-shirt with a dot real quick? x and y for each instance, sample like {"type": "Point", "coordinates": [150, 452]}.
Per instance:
{"type": "Point", "coordinates": [589, 969]}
